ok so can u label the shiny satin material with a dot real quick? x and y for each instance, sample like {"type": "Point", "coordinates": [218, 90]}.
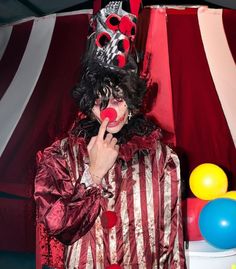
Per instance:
{"type": "Point", "coordinates": [146, 198]}
{"type": "Point", "coordinates": [67, 211]}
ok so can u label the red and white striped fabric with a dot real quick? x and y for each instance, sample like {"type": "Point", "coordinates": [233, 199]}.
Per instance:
{"type": "Point", "coordinates": [39, 64]}
{"type": "Point", "coordinates": [146, 198]}
{"type": "Point", "coordinates": [190, 53]}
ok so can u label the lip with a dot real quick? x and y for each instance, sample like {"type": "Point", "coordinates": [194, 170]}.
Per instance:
{"type": "Point", "coordinates": [115, 123]}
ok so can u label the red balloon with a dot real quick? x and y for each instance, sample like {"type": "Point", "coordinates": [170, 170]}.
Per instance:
{"type": "Point", "coordinates": [108, 113]}
{"type": "Point", "coordinates": [191, 208]}
{"type": "Point", "coordinates": [108, 219]}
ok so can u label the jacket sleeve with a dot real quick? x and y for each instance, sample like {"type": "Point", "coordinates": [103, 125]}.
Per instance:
{"type": "Point", "coordinates": [171, 232]}
{"type": "Point", "coordinates": [68, 211]}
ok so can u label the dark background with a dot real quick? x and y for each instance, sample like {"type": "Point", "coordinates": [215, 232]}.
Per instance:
{"type": "Point", "coordinates": [14, 10]}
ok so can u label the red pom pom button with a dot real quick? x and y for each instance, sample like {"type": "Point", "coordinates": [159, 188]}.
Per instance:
{"type": "Point", "coordinates": [108, 219]}
{"type": "Point", "coordinates": [108, 113]}
{"type": "Point", "coordinates": [113, 266]}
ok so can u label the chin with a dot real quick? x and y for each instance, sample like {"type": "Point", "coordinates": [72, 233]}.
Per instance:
{"type": "Point", "coordinates": [113, 130]}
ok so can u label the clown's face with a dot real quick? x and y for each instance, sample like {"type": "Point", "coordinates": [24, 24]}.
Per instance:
{"type": "Point", "coordinates": [121, 109]}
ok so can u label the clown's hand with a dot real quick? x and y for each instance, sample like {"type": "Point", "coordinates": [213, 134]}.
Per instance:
{"type": "Point", "coordinates": [102, 152]}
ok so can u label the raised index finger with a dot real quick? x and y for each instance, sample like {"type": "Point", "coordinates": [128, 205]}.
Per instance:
{"type": "Point", "coordinates": [102, 129]}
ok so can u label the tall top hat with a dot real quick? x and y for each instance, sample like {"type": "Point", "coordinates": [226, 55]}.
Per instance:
{"type": "Point", "coordinates": [112, 40]}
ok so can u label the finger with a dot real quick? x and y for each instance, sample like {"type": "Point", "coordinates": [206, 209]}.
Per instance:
{"type": "Point", "coordinates": [108, 138]}
{"type": "Point", "coordinates": [91, 143]}
{"type": "Point", "coordinates": [113, 142]}
{"type": "Point", "coordinates": [116, 147]}
{"type": "Point", "coordinates": [102, 129]}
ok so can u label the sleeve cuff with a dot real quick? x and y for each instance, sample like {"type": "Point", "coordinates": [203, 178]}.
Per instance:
{"type": "Point", "coordinates": [88, 182]}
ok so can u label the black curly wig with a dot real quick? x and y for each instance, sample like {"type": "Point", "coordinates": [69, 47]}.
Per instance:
{"type": "Point", "coordinates": [101, 82]}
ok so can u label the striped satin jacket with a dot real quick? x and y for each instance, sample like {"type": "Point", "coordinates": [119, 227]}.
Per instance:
{"type": "Point", "coordinates": [142, 191]}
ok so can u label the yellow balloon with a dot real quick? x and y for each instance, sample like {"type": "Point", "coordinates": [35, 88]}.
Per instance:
{"type": "Point", "coordinates": [208, 181]}
{"type": "Point", "coordinates": [229, 194]}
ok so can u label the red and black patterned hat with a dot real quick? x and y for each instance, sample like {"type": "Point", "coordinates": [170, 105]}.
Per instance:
{"type": "Point", "coordinates": [112, 40]}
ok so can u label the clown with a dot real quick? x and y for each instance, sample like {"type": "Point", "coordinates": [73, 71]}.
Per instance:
{"type": "Point", "coordinates": [110, 191]}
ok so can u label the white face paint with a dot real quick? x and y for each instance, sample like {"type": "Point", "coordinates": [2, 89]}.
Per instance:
{"type": "Point", "coordinates": [121, 109]}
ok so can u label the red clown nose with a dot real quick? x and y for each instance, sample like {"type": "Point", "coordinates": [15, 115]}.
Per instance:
{"type": "Point", "coordinates": [108, 113]}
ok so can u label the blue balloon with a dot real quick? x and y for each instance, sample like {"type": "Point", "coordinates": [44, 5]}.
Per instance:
{"type": "Point", "coordinates": [217, 223]}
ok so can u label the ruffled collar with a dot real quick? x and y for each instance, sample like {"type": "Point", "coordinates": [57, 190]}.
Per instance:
{"type": "Point", "coordinates": [139, 143]}
{"type": "Point", "coordinates": [127, 150]}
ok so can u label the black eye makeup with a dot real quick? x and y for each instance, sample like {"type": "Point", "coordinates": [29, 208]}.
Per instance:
{"type": "Point", "coordinates": [116, 101]}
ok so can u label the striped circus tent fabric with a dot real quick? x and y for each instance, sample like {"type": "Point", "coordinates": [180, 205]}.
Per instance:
{"type": "Point", "coordinates": [189, 53]}
{"type": "Point", "coordinates": [40, 62]}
